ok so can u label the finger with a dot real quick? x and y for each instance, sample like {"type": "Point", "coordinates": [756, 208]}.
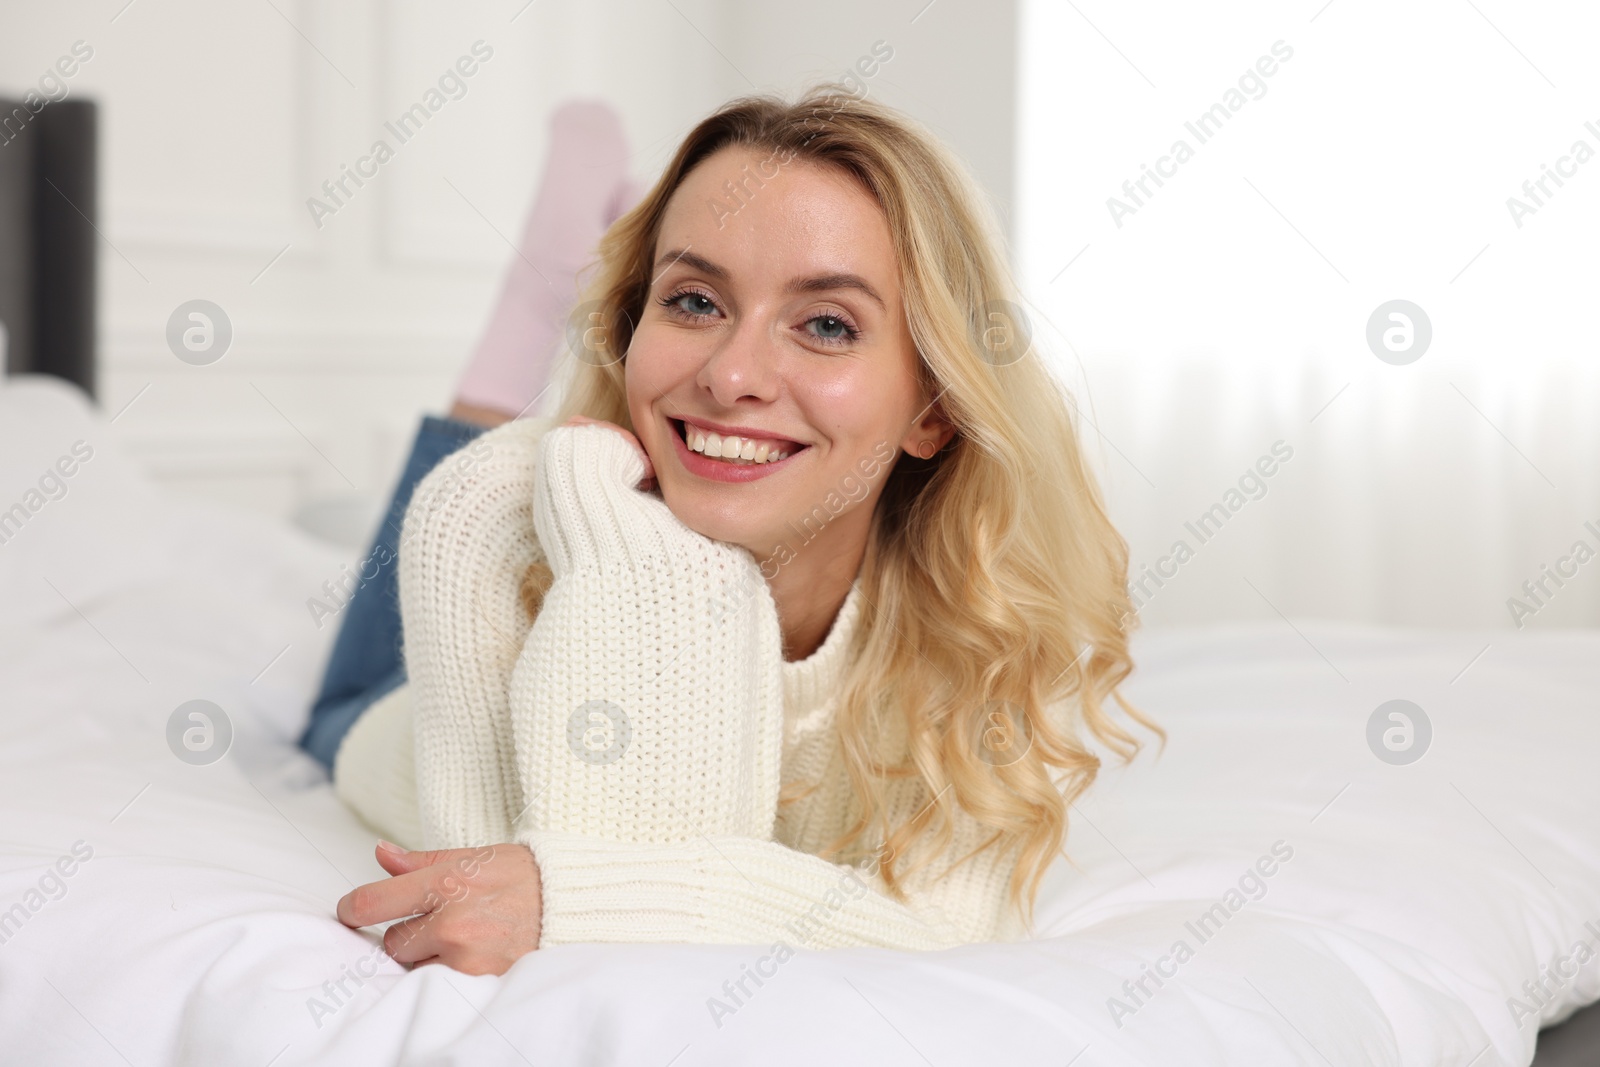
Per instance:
{"type": "Point", "coordinates": [649, 468]}
{"type": "Point", "coordinates": [394, 898]}
{"type": "Point", "coordinates": [391, 861]}
{"type": "Point", "coordinates": [397, 860]}
{"type": "Point", "coordinates": [413, 941]}
{"type": "Point", "coordinates": [631, 438]}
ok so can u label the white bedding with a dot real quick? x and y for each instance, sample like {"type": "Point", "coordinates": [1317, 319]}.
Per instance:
{"type": "Point", "coordinates": [1417, 900]}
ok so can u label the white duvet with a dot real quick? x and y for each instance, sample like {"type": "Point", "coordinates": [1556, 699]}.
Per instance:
{"type": "Point", "coordinates": [1267, 891]}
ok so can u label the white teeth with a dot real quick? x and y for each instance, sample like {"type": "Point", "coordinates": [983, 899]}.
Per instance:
{"type": "Point", "coordinates": [737, 448]}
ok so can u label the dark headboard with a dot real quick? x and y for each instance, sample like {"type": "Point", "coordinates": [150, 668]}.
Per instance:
{"type": "Point", "coordinates": [48, 215]}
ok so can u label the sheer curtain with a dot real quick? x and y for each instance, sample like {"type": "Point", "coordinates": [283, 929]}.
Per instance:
{"type": "Point", "coordinates": [1215, 214]}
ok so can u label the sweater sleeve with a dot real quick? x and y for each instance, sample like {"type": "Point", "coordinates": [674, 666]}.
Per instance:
{"type": "Point", "coordinates": [665, 644]}
{"type": "Point", "coordinates": [639, 711]}
{"type": "Point", "coordinates": [738, 890]}
{"type": "Point", "coordinates": [467, 544]}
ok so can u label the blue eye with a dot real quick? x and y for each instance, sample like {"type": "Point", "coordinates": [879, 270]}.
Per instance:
{"type": "Point", "coordinates": [691, 303]}
{"type": "Point", "coordinates": [831, 329]}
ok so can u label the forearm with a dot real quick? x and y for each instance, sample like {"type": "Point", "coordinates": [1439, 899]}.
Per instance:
{"type": "Point", "coordinates": [468, 543]}
{"type": "Point", "coordinates": [639, 714]}
{"type": "Point", "coordinates": [732, 890]}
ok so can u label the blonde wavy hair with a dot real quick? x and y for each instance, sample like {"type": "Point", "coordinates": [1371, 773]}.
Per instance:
{"type": "Point", "coordinates": [994, 585]}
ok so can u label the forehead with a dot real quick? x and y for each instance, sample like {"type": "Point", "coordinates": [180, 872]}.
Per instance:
{"type": "Point", "coordinates": [744, 211]}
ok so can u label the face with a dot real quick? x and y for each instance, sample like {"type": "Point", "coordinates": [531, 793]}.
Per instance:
{"type": "Point", "coordinates": [772, 377]}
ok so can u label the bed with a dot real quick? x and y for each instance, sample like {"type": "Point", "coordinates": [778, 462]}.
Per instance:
{"type": "Point", "coordinates": [162, 906]}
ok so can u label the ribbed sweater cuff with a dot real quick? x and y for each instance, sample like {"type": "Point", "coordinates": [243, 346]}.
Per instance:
{"type": "Point", "coordinates": [604, 891]}
{"type": "Point", "coordinates": [731, 891]}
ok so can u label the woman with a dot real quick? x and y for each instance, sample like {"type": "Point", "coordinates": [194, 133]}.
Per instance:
{"type": "Point", "coordinates": [797, 633]}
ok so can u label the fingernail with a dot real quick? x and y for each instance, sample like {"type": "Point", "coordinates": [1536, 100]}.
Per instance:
{"type": "Point", "coordinates": [390, 846]}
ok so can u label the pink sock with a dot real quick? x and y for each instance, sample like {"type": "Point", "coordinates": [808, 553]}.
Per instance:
{"type": "Point", "coordinates": [584, 189]}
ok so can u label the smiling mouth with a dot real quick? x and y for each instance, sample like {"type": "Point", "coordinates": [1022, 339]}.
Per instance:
{"type": "Point", "coordinates": [734, 450]}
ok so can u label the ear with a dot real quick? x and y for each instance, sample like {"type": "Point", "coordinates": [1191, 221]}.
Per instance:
{"type": "Point", "coordinates": [931, 432]}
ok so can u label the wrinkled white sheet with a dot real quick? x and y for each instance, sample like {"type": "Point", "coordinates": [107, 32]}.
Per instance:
{"type": "Point", "coordinates": [201, 930]}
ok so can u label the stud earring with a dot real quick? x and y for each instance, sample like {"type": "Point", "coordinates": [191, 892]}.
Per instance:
{"type": "Point", "coordinates": [927, 449]}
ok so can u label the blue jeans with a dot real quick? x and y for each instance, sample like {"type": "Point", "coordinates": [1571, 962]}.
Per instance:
{"type": "Point", "coordinates": [367, 662]}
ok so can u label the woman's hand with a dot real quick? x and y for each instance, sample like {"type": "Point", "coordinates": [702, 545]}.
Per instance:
{"type": "Point", "coordinates": [477, 910]}
{"type": "Point", "coordinates": [648, 481]}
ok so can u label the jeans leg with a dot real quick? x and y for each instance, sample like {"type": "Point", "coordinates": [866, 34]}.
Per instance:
{"type": "Point", "coordinates": [367, 661]}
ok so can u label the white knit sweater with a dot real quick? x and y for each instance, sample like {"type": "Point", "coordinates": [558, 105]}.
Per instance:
{"type": "Point", "coordinates": [636, 734]}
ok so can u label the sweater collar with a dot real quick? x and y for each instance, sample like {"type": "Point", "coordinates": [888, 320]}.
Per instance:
{"type": "Point", "coordinates": [809, 682]}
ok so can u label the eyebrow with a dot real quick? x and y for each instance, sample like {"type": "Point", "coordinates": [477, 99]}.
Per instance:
{"type": "Point", "coordinates": [818, 284]}
{"type": "Point", "coordinates": [824, 282]}
{"type": "Point", "coordinates": [699, 263]}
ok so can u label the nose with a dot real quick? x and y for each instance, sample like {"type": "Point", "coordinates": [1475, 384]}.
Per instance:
{"type": "Point", "coordinates": [744, 366]}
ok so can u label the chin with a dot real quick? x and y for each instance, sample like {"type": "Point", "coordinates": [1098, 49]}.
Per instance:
{"type": "Point", "coordinates": [726, 520]}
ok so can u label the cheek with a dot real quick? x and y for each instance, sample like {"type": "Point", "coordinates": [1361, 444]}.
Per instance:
{"type": "Point", "coordinates": [655, 366]}
{"type": "Point", "coordinates": [859, 405]}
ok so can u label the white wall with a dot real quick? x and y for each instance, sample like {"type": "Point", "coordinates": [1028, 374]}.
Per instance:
{"type": "Point", "coordinates": [220, 120]}
{"type": "Point", "coordinates": [1229, 310]}
{"type": "Point", "coordinates": [954, 66]}
{"type": "Point", "coordinates": [1220, 317]}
